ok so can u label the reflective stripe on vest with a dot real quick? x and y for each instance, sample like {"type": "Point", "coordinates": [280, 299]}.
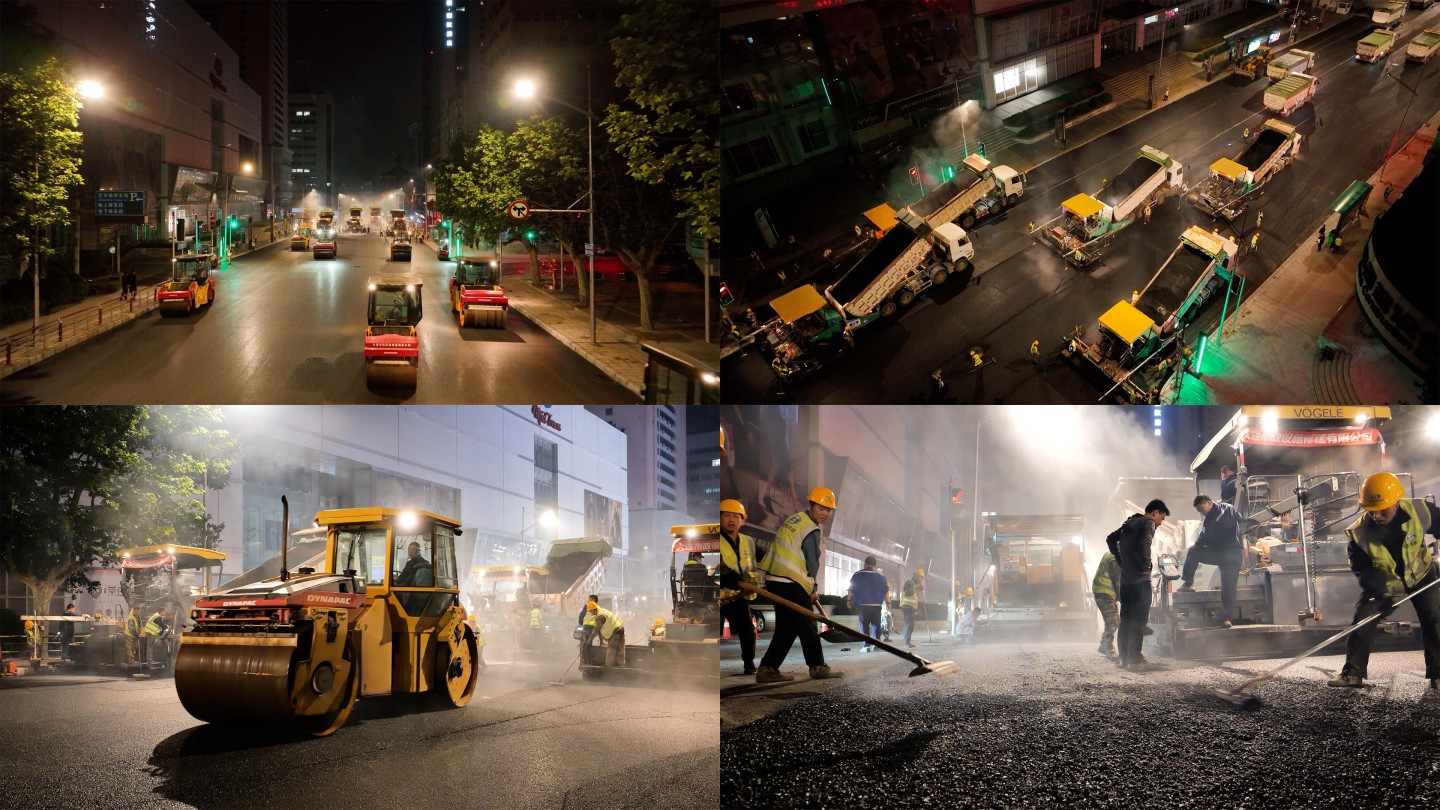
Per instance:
{"type": "Point", "coordinates": [785, 558]}
{"type": "Point", "coordinates": [745, 560]}
{"type": "Point", "coordinates": [607, 622]}
{"type": "Point", "coordinates": [1418, 559]}
{"type": "Point", "coordinates": [152, 627]}
{"type": "Point", "coordinates": [1104, 582]}
{"type": "Point", "coordinates": [910, 601]}
{"type": "Point", "coordinates": [132, 626]}
{"type": "Point", "coordinates": [534, 617]}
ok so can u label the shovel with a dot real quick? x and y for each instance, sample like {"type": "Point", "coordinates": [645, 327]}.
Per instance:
{"type": "Point", "coordinates": [922, 667]}
{"type": "Point", "coordinates": [1237, 695]}
{"type": "Point", "coordinates": [830, 634]}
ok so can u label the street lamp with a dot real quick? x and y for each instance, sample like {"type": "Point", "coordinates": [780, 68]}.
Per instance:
{"type": "Point", "coordinates": [91, 89]}
{"type": "Point", "coordinates": [525, 89]}
{"type": "Point", "coordinates": [974, 525]}
{"type": "Point", "coordinates": [545, 518]}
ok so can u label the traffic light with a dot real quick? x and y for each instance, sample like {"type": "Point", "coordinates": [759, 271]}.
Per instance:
{"type": "Point", "coordinates": [980, 147]}
{"type": "Point", "coordinates": [234, 223]}
{"type": "Point", "coordinates": [530, 236]}
{"type": "Point", "coordinates": [914, 172]}
{"type": "Point", "coordinates": [957, 505]}
{"type": "Point", "coordinates": [947, 173]}
{"type": "Point", "coordinates": [726, 299]}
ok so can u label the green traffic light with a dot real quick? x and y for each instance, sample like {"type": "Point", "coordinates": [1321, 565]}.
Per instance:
{"type": "Point", "coordinates": [530, 235]}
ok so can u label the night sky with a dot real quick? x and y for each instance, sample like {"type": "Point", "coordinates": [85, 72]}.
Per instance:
{"type": "Point", "coordinates": [368, 55]}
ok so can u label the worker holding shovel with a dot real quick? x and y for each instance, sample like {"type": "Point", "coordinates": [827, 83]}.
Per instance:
{"type": "Point", "coordinates": [790, 565]}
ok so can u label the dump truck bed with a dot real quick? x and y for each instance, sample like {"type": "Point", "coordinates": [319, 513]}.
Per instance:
{"type": "Point", "coordinates": [1173, 285]}
{"type": "Point", "coordinates": [1289, 86]}
{"type": "Point", "coordinates": [931, 203]}
{"type": "Point", "coordinates": [1264, 146]}
{"type": "Point", "coordinates": [872, 264]}
{"type": "Point", "coordinates": [1128, 181]}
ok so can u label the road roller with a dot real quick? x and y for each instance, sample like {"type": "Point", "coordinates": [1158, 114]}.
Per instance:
{"type": "Point", "coordinates": [392, 337]}
{"type": "Point", "coordinates": [476, 297]}
{"type": "Point", "coordinates": [377, 614]}
{"type": "Point", "coordinates": [191, 285]}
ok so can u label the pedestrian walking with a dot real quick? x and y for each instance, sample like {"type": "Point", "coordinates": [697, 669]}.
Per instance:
{"type": "Point", "coordinates": [1320, 239]}
{"type": "Point", "coordinates": [1102, 588]}
{"type": "Point", "coordinates": [790, 565]}
{"type": "Point", "coordinates": [128, 286]}
{"type": "Point", "coordinates": [1035, 351]}
{"type": "Point", "coordinates": [1131, 546]}
{"type": "Point", "coordinates": [1167, 94]}
{"type": "Point", "coordinates": [67, 632]}
{"type": "Point", "coordinates": [737, 564]}
{"type": "Point", "coordinates": [1220, 545]}
{"type": "Point", "coordinates": [1390, 558]}
{"type": "Point", "coordinates": [869, 591]}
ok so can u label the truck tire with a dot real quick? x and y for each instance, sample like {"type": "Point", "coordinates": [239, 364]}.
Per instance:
{"type": "Point", "coordinates": [888, 308]}
{"type": "Point", "coordinates": [939, 277]}
{"type": "Point", "coordinates": [905, 297]}
{"type": "Point", "coordinates": [968, 220]}
{"type": "Point", "coordinates": [1011, 200]}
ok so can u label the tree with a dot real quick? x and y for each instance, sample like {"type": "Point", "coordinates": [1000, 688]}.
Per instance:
{"type": "Point", "coordinates": [550, 162]}
{"type": "Point", "coordinates": [670, 132]}
{"type": "Point", "coordinates": [478, 184]}
{"type": "Point", "coordinates": [40, 162]}
{"type": "Point", "coordinates": [636, 219]}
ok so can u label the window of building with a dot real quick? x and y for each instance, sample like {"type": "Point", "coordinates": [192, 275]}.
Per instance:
{"type": "Point", "coordinates": [836, 570]}
{"type": "Point", "coordinates": [738, 98]}
{"type": "Point", "coordinates": [813, 135]}
{"type": "Point", "coordinates": [546, 475]}
{"type": "Point", "coordinates": [752, 156]}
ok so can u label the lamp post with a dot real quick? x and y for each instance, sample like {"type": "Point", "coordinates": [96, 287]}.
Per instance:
{"type": "Point", "coordinates": [974, 524]}
{"type": "Point", "coordinates": [526, 89]}
{"type": "Point", "coordinates": [545, 517]}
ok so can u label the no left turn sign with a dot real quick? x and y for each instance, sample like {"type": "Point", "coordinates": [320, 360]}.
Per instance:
{"type": "Point", "coordinates": [518, 210]}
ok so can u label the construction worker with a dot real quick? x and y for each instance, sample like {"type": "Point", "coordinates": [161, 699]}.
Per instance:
{"type": "Point", "coordinates": [1227, 484]}
{"type": "Point", "coordinates": [1338, 243]}
{"type": "Point", "coordinates": [156, 627]}
{"type": "Point", "coordinates": [587, 621]}
{"type": "Point", "coordinates": [1035, 351]}
{"type": "Point", "coordinates": [1390, 558]}
{"type": "Point", "coordinates": [1130, 545]}
{"type": "Point", "coordinates": [1134, 297]}
{"type": "Point", "coordinates": [909, 603]}
{"type": "Point", "coordinates": [869, 591]}
{"type": "Point", "coordinates": [657, 630]}
{"type": "Point", "coordinates": [737, 564]}
{"type": "Point", "coordinates": [1254, 240]}
{"type": "Point", "coordinates": [790, 565]}
{"type": "Point", "coordinates": [611, 631]}
{"type": "Point", "coordinates": [1102, 587]}
{"type": "Point", "coordinates": [1147, 213]}
{"type": "Point", "coordinates": [976, 358]}
{"type": "Point", "coordinates": [1220, 545]}
{"type": "Point", "coordinates": [132, 635]}
{"type": "Point", "coordinates": [1259, 218]}
{"type": "Point", "coordinates": [1247, 134]}
{"type": "Point", "coordinates": [33, 640]}
{"type": "Point", "coordinates": [535, 625]}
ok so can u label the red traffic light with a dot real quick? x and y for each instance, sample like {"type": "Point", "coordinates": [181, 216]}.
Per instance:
{"type": "Point", "coordinates": [914, 172]}
{"type": "Point", "coordinates": [957, 496]}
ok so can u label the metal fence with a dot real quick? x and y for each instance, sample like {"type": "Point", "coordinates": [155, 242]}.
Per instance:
{"type": "Point", "coordinates": [27, 348]}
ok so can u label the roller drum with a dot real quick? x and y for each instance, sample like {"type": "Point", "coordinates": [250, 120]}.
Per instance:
{"type": "Point", "coordinates": [236, 681]}
{"type": "Point", "coordinates": [391, 374]}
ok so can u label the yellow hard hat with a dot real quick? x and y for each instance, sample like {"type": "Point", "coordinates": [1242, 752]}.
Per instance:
{"type": "Point", "coordinates": [591, 605]}
{"type": "Point", "coordinates": [823, 496]}
{"type": "Point", "coordinates": [659, 622]}
{"type": "Point", "coordinates": [969, 591]}
{"type": "Point", "coordinates": [471, 617]}
{"type": "Point", "coordinates": [724, 451]}
{"type": "Point", "coordinates": [1381, 491]}
{"type": "Point", "coordinates": [919, 572]}
{"type": "Point", "coordinates": [29, 624]}
{"type": "Point", "coordinates": [732, 505]}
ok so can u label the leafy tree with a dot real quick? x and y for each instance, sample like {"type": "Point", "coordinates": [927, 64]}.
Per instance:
{"type": "Point", "coordinates": [636, 220]}
{"type": "Point", "coordinates": [40, 162]}
{"type": "Point", "coordinates": [477, 185]}
{"type": "Point", "coordinates": [550, 161]}
{"type": "Point", "coordinates": [670, 132]}
{"type": "Point", "coordinates": [80, 483]}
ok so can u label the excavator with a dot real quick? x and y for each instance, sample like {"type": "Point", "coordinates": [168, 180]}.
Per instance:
{"type": "Point", "coordinates": [376, 612]}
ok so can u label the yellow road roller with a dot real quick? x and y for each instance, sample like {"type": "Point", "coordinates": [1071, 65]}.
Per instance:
{"type": "Point", "coordinates": [379, 614]}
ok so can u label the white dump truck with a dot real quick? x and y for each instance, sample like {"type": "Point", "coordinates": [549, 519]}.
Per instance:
{"type": "Point", "coordinates": [978, 191]}
{"type": "Point", "coordinates": [1423, 46]}
{"type": "Point", "coordinates": [1232, 184]}
{"type": "Point", "coordinates": [1286, 96]}
{"type": "Point", "coordinates": [1289, 63]}
{"type": "Point", "coordinates": [1375, 47]}
{"type": "Point", "coordinates": [912, 257]}
{"type": "Point", "coordinates": [1086, 224]}
{"type": "Point", "coordinates": [1389, 15]}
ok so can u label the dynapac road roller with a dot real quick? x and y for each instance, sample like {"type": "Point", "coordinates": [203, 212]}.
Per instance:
{"type": "Point", "coordinates": [190, 287]}
{"type": "Point", "coordinates": [377, 614]}
{"type": "Point", "coordinates": [392, 337]}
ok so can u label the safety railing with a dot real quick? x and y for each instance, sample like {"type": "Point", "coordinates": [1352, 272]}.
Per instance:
{"type": "Point", "coordinates": [29, 347]}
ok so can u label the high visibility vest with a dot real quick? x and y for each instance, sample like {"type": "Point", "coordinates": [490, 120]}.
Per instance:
{"type": "Point", "coordinates": [910, 601]}
{"type": "Point", "coordinates": [132, 625]}
{"type": "Point", "coordinates": [741, 563]}
{"type": "Point", "coordinates": [534, 617]}
{"type": "Point", "coordinates": [589, 620]}
{"type": "Point", "coordinates": [152, 627]}
{"type": "Point", "coordinates": [607, 622]}
{"type": "Point", "coordinates": [1104, 582]}
{"type": "Point", "coordinates": [1417, 557]}
{"type": "Point", "coordinates": [785, 558]}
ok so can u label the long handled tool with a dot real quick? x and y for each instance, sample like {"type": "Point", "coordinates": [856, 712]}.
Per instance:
{"type": "Point", "coordinates": [1237, 695]}
{"type": "Point", "coordinates": [830, 634]}
{"type": "Point", "coordinates": [561, 680]}
{"type": "Point", "coordinates": [923, 667]}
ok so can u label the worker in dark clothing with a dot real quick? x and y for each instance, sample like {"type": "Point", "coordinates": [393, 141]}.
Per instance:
{"type": "Point", "coordinates": [869, 591]}
{"type": "Point", "coordinates": [1227, 484]}
{"type": "Point", "coordinates": [1390, 557]}
{"type": "Point", "coordinates": [1220, 545]}
{"type": "Point", "coordinates": [790, 565]}
{"type": "Point", "coordinates": [67, 632]}
{"type": "Point", "coordinates": [587, 621]}
{"type": "Point", "coordinates": [737, 564]}
{"type": "Point", "coordinates": [1131, 545]}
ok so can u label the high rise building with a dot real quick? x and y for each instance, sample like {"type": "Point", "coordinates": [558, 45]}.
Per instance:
{"type": "Point", "coordinates": [702, 461]}
{"type": "Point", "coordinates": [312, 140]}
{"type": "Point", "coordinates": [657, 435]}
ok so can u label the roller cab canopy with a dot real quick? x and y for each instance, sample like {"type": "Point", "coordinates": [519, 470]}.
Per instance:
{"type": "Point", "coordinates": [180, 556]}
{"type": "Point", "coordinates": [1083, 206]}
{"type": "Point", "coordinates": [1349, 434]}
{"type": "Point", "coordinates": [1228, 169]}
{"type": "Point", "coordinates": [1126, 322]}
{"type": "Point", "coordinates": [797, 303]}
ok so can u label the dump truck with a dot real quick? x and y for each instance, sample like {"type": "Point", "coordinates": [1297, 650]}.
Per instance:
{"type": "Point", "coordinates": [1291, 62]}
{"type": "Point", "coordinates": [1233, 184]}
{"type": "Point", "coordinates": [906, 262]}
{"type": "Point", "coordinates": [191, 285]}
{"type": "Point", "coordinates": [1298, 489]}
{"type": "Point", "coordinates": [975, 193]}
{"type": "Point", "coordinates": [1087, 224]}
{"type": "Point", "coordinates": [296, 651]}
{"type": "Point", "coordinates": [1039, 587]}
{"type": "Point", "coordinates": [1389, 16]}
{"type": "Point", "coordinates": [1375, 47]}
{"type": "Point", "coordinates": [1286, 96]}
{"type": "Point", "coordinates": [392, 337]}
{"type": "Point", "coordinates": [1423, 46]}
{"type": "Point", "coordinates": [1139, 345]}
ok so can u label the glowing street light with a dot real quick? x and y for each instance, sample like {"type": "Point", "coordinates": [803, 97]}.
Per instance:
{"type": "Point", "coordinates": [247, 167]}
{"type": "Point", "coordinates": [91, 89]}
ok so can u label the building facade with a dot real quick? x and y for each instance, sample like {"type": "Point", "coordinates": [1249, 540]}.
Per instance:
{"type": "Point", "coordinates": [312, 142]}
{"type": "Point", "coordinates": [702, 461]}
{"type": "Point", "coordinates": [657, 452]}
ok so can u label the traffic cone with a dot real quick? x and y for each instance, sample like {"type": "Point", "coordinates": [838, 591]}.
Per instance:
{"type": "Point", "coordinates": [725, 633]}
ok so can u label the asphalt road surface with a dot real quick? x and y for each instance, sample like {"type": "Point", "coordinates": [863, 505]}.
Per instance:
{"type": "Point", "coordinates": [289, 329]}
{"type": "Point", "coordinates": [1019, 292]}
{"type": "Point", "coordinates": [521, 743]}
{"type": "Point", "coordinates": [1056, 725]}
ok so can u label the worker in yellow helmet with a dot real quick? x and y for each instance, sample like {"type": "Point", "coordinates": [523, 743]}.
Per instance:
{"type": "Point", "coordinates": [790, 565]}
{"type": "Point", "coordinates": [1391, 558]}
{"type": "Point", "coordinates": [611, 631]}
{"type": "Point", "coordinates": [737, 563]}
{"type": "Point", "coordinates": [132, 635]}
{"type": "Point", "coordinates": [34, 640]}
{"type": "Point", "coordinates": [657, 630]}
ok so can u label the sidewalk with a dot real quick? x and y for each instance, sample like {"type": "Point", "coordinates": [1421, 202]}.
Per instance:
{"type": "Point", "coordinates": [1125, 78]}
{"type": "Point", "coordinates": [616, 350]}
{"type": "Point", "coordinates": [1275, 352]}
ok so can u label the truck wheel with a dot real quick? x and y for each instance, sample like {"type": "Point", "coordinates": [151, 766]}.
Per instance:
{"type": "Point", "coordinates": [888, 308]}
{"type": "Point", "coordinates": [1011, 200]}
{"type": "Point", "coordinates": [939, 277]}
{"type": "Point", "coordinates": [905, 297]}
{"type": "Point", "coordinates": [968, 221]}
